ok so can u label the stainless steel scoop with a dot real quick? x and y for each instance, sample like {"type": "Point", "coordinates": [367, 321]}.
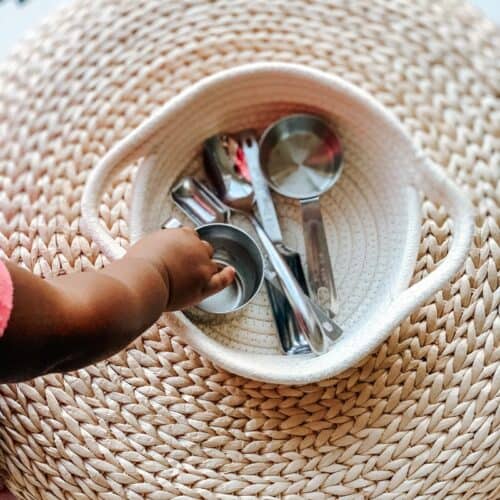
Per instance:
{"type": "Point", "coordinates": [198, 202]}
{"type": "Point", "coordinates": [302, 157]}
{"type": "Point", "coordinates": [231, 182]}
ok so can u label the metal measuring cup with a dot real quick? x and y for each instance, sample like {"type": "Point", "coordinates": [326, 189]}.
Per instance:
{"type": "Point", "coordinates": [301, 157]}
{"type": "Point", "coordinates": [232, 247]}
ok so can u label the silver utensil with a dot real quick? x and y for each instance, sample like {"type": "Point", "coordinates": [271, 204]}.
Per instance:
{"type": "Point", "coordinates": [247, 140]}
{"type": "Point", "coordinates": [301, 157]}
{"type": "Point", "coordinates": [265, 206]}
{"type": "Point", "coordinates": [232, 247]}
{"type": "Point", "coordinates": [203, 207]}
{"type": "Point", "coordinates": [232, 184]}
{"type": "Point", "coordinates": [198, 202]}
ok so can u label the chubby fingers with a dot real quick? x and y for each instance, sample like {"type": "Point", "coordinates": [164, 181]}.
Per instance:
{"type": "Point", "coordinates": [209, 248]}
{"type": "Point", "coordinates": [220, 280]}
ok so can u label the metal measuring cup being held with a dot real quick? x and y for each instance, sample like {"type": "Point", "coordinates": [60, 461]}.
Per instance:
{"type": "Point", "coordinates": [232, 247]}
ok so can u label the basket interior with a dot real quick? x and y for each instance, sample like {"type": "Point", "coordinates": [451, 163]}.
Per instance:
{"type": "Point", "coordinates": [371, 215]}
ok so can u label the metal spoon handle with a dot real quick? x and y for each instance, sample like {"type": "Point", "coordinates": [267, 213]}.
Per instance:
{"type": "Point", "coordinates": [319, 267]}
{"type": "Point", "coordinates": [263, 198]}
{"type": "Point", "coordinates": [316, 330]}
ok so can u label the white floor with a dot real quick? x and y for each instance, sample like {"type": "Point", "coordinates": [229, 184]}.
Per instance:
{"type": "Point", "coordinates": [17, 18]}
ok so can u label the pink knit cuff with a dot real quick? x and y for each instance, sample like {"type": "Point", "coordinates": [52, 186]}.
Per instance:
{"type": "Point", "coordinates": [6, 297]}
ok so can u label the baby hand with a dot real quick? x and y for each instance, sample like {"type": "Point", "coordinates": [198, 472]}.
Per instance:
{"type": "Point", "coordinates": [185, 263]}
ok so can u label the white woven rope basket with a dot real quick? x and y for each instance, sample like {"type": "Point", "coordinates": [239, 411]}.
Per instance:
{"type": "Point", "coordinates": [416, 418]}
{"type": "Point", "coordinates": [377, 203]}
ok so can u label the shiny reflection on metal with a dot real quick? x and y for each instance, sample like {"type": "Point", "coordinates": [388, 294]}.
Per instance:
{"type": "Point", "coordinates": [233, 247]}
{"type": "Point", "coordinates": [301, 156]}
{"type": "Point", "coordinates": [232, 181]}
{"type": "Point", "coordinates": [292, 341]}
{"type": "Point", "coordinates": [198, 202]}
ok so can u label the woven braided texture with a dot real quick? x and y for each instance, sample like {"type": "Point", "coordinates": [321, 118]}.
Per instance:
{"type": "Point", "coordinates": [417, 418]}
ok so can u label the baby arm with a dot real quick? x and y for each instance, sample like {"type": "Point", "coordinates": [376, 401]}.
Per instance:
{"type": "Point", "coordinates": [75, 320]}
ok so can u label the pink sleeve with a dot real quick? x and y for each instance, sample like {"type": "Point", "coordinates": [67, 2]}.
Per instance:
{"type": "Point", "coordinates": [6, 297]}
{"type": "Point", "coordinates": [5, 495]}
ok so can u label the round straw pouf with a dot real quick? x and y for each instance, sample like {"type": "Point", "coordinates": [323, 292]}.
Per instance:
{"type": "Point", "coordinates": [417, 417]}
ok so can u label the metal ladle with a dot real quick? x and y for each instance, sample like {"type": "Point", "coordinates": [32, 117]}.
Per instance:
{"type": "Point", "coordinates": [234, 190]}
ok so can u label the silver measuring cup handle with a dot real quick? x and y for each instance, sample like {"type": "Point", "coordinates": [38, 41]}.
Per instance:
{"type": "Point", "coordinates": [318, 329]}
{"type": "Point", "coordinates": [319, 267]}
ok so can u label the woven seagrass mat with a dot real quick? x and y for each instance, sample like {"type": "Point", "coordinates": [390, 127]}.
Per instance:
{"type": "Point", "coordinates": [418, 418]}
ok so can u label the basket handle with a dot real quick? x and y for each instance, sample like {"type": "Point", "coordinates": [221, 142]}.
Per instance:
{"type": "Point", "coordinates": [434, 182]}
{"type": "Point", "coordinates": [137, 144]}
